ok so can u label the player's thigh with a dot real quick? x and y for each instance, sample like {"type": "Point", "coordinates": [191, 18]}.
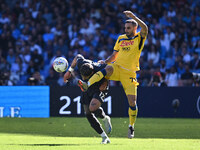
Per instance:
{"type": "Point", "coordinates": [129, 82]}
{"type": "Point", "coordinates": [94, 104]}
{"type": "Point", "coordinates": [115, 74]}
{"type": "Point", "coordinates": [97, 100]}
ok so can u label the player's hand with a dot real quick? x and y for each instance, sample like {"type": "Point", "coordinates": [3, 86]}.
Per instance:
{"type": "Point", "coordinates": [67, 76]}
{"type": "Point", "coordinates": [129, 14]}
{"type": "Point", "coordinates": [101, 61]}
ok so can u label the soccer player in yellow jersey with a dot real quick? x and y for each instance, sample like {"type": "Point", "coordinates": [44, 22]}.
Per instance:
{"type": "Point", "coordinates": [123, 64]}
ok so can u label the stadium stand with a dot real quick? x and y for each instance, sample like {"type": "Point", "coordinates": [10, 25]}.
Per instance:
{"type": "Point", "coordinates": [34, 32]}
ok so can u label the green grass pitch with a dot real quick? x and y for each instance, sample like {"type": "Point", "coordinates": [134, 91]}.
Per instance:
{"type": "Point", "coordinates": [75, 134]}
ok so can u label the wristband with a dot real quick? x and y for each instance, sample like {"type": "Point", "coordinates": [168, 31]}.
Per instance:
{"type": "Point", "coordinates": [71, 69]}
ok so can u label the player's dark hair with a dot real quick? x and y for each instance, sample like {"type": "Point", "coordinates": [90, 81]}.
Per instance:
{"type": "Point", "coordinates": [86, 69]}
{"type": "Point", "coordinates": [134, 23]}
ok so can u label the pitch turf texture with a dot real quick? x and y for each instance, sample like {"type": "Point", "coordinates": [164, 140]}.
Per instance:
{"type": "Point", "coordinates": [76, 134]}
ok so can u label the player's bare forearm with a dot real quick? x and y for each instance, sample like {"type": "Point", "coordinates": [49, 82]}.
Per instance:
{"type": "Point", "coordinates": [73, 65]}
{"type": "Point", "coordinates": [70, 73]}
{"type": "Point", "coordinates": [144, 30]}
{"type": "Point", "coordinates": [67, 76]}
{"type": "Point", "coordinates": [112, 58]}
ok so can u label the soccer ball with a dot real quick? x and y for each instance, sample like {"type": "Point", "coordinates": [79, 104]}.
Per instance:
{"type": "Point", "coordinates": [60, 64]}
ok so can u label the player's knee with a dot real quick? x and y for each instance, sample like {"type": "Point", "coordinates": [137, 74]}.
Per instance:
{"type": "Point", "coordinates": [109, 70]}
{"type": "Point", "coordinates": [132, 103]}
{"type": "Point", "coordinates": [132, 100]}
{"type": "Point", "coordinates": [92, 108]}
{"type": "Point", "coordinates": [94, 105]}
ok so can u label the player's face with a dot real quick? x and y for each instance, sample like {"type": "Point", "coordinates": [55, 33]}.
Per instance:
{"type": "Point", "coordinates": [130, 29]}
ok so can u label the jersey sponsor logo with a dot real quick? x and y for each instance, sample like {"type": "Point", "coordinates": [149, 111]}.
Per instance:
{"type": "Point", "coordinates": [126, 43]}
{"type": "Point", "coordinates": [126, 48]}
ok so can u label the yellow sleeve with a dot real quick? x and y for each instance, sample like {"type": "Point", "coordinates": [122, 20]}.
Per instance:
{"type": "Point", "coordinates": [116, 47]}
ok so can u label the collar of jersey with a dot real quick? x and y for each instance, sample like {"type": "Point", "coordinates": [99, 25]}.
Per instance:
{"type": "Point", "coordinates": [128, 38]}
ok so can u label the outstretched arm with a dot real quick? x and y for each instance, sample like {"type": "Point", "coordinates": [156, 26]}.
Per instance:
{"type": "Point", "coordinates": [144, 30]}
{"type": "Point", "coordinates": [112, 57]}
{"type": "Point", "coordinates": [69, 73]}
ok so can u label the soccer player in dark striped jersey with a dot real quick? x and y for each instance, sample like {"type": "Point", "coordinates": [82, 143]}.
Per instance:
{"type": "Point", "coordinates": [94, 96]}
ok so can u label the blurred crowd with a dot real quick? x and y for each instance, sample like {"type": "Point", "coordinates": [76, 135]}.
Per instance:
{"type": "Point", "coordinates": [34, 32]}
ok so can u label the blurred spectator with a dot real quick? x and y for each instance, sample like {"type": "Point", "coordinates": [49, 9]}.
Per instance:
{"type": "Point", "coordinates": [57, 30]}
{"type": "Point", "coordinates": [4, 79]}
{"type": "Point", "coordinates": [26, 57]}
{"type": "Point", "coordinates": [4, 19]}
{"type": "Point", "coordinates": [60, 80]}
{"type": "Point", "coordinates": [161, 49]}
{"type": "Point", "coordinates": [169, 60]}
{"type": "Point", "coordinates": [37, 60]}
{"type": "Point", "coordinates": [186, 56]}
{"type": "Point", "coordinates": [157, 80]}
{"type": "Point", "coordinates": [62, 46]}
{"type": "Point", "coordinates": [32, 81]}
{"type": "Point", "coordinates": [180, 68]}
{"type": "Point", "coordinates": [31, 68]}
{"type": "Point", "coordinates": [47, 15]}
{"type": "Point", "coordinates": [60, 28]}
{"type": "Point", "coordinates": [16, 67]}
{"type": "Point", "coordinates": [195, 63]}
{"type": "Point", "coordinates": [39, 78]}
{"type": "Point", "coordinates": [169, 35]}
{"type": "Point", "coordinates": [163, 66]}
{"type": "Point", "coordinates": [48, 35]}
{"type": "Point", "coordinates": [52, 78]}
{"type": "Point", "coordinates": [197, 47]}
{"type": "Point", "coordinates": [11, 56]}
{"type": "Point", "coordinates": [153, 54]}
{"type": "Point", "coordinates": [171, 12]}
{"type": "Point", "coordinates": [187, 77]}
{"type": "Point", "coordinates": [4, 65]}
{"type": "Point", "coordinates": [35, 46]}
{"type": "Point", "coordinates": [172, 78]}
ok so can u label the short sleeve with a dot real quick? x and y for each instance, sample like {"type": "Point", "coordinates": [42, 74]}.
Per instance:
{"type": "Point", "coordinates": [116, 47]}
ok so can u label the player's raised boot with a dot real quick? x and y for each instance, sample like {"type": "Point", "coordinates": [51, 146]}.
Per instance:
{"type": "Point", "coordinates": [107, 124]}
{"type": "Point", "coordinates": [105, 140]}
{"type": "Point", "coordinates": [130, 132]}
{"type": "Point", "coordinates": [82, 85]}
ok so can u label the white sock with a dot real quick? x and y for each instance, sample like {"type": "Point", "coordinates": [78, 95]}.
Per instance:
{"type": "Point", "coordinates": [104, 118]}
{"type": "Point", "coordinates": [103, 134]}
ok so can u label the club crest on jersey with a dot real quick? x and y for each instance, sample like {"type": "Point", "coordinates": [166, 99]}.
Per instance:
{"type": "Point", "coordinates": [126, 43]}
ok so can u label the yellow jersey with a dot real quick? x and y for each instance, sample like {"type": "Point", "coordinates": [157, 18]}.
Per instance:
{"type": "Point", "coordinates": [129, 50]}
